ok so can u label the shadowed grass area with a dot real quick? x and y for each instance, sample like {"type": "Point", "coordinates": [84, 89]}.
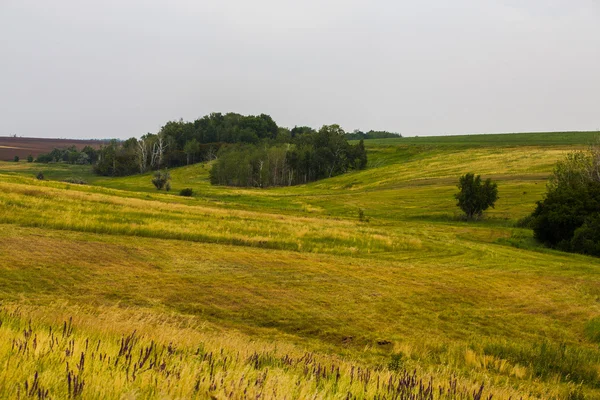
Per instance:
{"type": "Point", "coordinates": [416, 287]}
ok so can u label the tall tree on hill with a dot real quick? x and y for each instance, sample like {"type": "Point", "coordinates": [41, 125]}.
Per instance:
{"type": "Point", "coordinates": [474, 196]}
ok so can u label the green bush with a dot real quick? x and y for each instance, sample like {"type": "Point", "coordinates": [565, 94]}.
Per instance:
{"type": "Point", "coordinates": [161, 180]}
{"type": "Point", "coordinates": [40, 176]}
{"type": "Point", "coordinates": [186, 192]}
{"type": "Point", "coordinates": [16, 158]}
{"type": "Point", "coordinates": [77, 181]}
{"type": "Point", "coordinates": [586, 238]}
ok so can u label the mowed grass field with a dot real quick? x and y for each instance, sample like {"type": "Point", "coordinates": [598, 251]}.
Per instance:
{"type": "Point", "coordinates": [115, 290]}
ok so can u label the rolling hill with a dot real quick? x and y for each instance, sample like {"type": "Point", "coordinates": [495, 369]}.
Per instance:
{"type": "Point", "coordinates": [112, 289]}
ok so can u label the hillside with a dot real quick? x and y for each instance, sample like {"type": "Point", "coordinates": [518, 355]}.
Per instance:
{"type": "Point", "coordinates": [238, 292]}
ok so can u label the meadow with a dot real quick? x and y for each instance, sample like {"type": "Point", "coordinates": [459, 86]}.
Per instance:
{"type": "Point", "coordinates": [115, 290]}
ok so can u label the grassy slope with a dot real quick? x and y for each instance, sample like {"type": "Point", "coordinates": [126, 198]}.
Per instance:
{"type": "Point", "coordinates": [451, 297]}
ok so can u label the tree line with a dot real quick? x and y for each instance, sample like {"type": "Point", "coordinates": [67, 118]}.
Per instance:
{"type": "Point", "coordinates": [304, 156]}
{"type": "Point", "coordinates": [249, 150]}
{"type": "Point", "coordinates": [70, 155]}
{"type": "Point", "coordinates": [359, 135]}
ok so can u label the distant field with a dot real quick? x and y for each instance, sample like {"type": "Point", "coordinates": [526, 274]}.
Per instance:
{"type": "Point", "coordinates": [285, 293]}
{"type": "Point", "coordinates": [23, 147]}
{"type": "Point", "coordinates": [497, 139]}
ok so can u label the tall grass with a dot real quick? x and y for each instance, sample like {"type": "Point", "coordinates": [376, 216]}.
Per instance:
{"type": "Point", "coordinates": [48, 360]}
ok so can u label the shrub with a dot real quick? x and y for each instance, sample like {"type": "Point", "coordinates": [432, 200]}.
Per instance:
{"type": "Point", "coordinates": [16, 158]}
{"type": "Point", "coordinates": [40, 176]}
{"type": "Point", "coordinates": [186, 192]}
{"type": "Point", "coordinates": [77, 181]}
{"type": "Point", "coordinates": [30, 158]}
{"type": "Point", "coordinates": [474, 197]}
{"type": "Point", "coordinates": [361, 216]}
{"type": "Point", "coordinates": [586, 238]}
{"type": "Point", "coordinates": [161, 180]}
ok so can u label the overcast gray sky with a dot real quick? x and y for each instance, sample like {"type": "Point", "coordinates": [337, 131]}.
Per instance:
{"type": "Point", "coordinates": [116, 68]}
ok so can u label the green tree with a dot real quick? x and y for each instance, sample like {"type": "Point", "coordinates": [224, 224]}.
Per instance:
{"type": "Point", "coordinates": [30, 158]}
{"type": "Point", "coordinates": [474, 196]}
{"type": "Point", "coordinates": [16, 158]}
{"type": "Point", "coordinates": [568, 218]}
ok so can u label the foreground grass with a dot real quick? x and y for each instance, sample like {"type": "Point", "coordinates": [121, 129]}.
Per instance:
{"type": "Point", "coordinates": [83, 357]}
{"type": "Point", "coordinates": [415, 288]}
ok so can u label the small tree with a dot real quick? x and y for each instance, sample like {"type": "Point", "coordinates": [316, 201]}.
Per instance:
{"type": "Point", "coordinates": [161, 180]}
{"type": "Point", "coordinates": [16, 158]}
{"type": "Point", "coordinates": [186, 192]}
{"type": "Point", "coordinates": [30, 158]}
{"type": "Point", "coordinates": [475, 197]}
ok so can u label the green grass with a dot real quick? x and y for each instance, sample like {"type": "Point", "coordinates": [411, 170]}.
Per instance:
{"type": "Point", "coordinates": [283, 271]}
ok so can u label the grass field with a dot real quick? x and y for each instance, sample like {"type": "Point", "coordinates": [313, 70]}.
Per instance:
{"type": "Point", "coordinates": [115, 290]}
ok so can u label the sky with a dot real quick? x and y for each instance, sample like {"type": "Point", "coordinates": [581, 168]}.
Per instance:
{"type": "Point", "coordinates": [120, 69]}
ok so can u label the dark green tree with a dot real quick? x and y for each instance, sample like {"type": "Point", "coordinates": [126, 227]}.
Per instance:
{"type": "Point", "coordinates": [16, 158]}
{"type": "Point", "coordinates": [474, 196]}
{"type": "Point", "coordinates": [30, 158]}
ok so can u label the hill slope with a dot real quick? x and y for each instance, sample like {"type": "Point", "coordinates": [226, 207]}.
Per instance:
{"type": "Point", "coordinates": [256, 278]}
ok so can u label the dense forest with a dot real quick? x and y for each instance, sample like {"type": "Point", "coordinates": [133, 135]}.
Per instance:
{"type": "Point", "coordinates": [249, 151]}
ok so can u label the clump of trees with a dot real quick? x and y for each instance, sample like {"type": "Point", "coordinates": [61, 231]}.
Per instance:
{"type": "Point", "coordinates": [181, 143]}
{"type": "Point", "coordinates": [303, 156]}
{"type": "Point", "coordinates": [359, 135]}
{"type": "Point", "coordinates": [568, 218]}
{"type": "Point", "coordinates": [249, 151]}
{"type": "Point", "coordinates": [475, 196]}
{"type": "Point", "coordinates": [70, 155]}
